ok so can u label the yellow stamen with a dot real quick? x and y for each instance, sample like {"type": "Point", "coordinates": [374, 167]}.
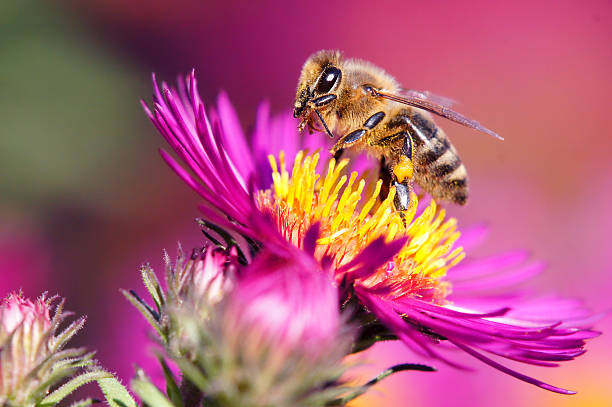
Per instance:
{"type": "Point", "coordinates": [349, 223]}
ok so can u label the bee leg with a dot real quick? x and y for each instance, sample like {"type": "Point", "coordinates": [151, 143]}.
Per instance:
{"type": "Point", "coordinates": [338, 154]}
{"type": "Point", "coordinates": [403, 199]}
{"type": "Point", "coordinates": [347, 141]}
{"type": "Point", "coordinates": [403, 171]}
{"type": "Point", "coordinates": [356, 135]}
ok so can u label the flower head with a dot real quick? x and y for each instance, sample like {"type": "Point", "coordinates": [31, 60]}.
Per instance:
{"type": "Point", "coordinates": [280, 336]}
{"type": "Point", "coordinates": [32, 358]}
{"type": "Point", "coordinates": [266, 333]}
{"type": "Point", "coordinates": [406, 280]}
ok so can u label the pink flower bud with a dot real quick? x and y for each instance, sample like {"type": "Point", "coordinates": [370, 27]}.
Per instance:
{"type": "Point", "coordinates": [288, 306]}
{"type": "Point", "coordinates": [19, 312]}
{"type": "Point", "coordinates": [31, 354]}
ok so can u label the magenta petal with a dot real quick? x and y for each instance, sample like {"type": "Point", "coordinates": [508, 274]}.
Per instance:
{"type": "Point", "coordinates": [218, 169]}
{"type": "Point", "coordinates": [473, 236]}
{"type": "Point", "coordinates": [417, 341]}
{"type": "Point", "coordinates": [235, 144]}
{"type": "Point", "coordinates": [476, 268]}
{"type": "Point", "coordinates": [310, 238]}
{"type": "Point", "coordinates": [500, 280]}
{"type": "Point", "coordinates": [373, 256]}
{"type": "Point", "coordinates": [511, 372]}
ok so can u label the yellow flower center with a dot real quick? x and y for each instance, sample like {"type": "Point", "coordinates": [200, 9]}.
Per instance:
{"type": "Point", "coordinates": [349, 224]}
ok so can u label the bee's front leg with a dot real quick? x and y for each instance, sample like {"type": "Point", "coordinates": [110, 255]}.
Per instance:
{"type": "Point", "coordinates": [355, 136]}
{"type": "Point", "coordinates": [347, 141]}
{"type": "Point", "coordinates": [338, 153]}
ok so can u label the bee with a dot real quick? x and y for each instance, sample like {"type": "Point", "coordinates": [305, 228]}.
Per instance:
{"type": "Point", "coordinates": [368, 111]}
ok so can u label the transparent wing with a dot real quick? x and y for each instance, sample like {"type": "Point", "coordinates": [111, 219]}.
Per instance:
{"type": "Point", "coordinates": [427, 95]}
{"type": "Point", "coordinates": [415, 99]}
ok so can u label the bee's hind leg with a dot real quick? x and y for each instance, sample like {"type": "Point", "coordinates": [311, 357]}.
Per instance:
{"type": "Point", "coordinates": [402, 178]}
{"type": "Point", "coordinates": [403, 196]}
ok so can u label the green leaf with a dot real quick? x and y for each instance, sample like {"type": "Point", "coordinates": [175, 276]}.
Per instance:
{"type": "Point", "coordinates": [146, 311]}
{"type": "Point", "coordinates": [150, 394]}
{"type": "Point", "coordinates": [115, 393]}
{"type": "Point", "coordinates": [73, 384]}
{"type": "Point", "coordinates": [172, 388]}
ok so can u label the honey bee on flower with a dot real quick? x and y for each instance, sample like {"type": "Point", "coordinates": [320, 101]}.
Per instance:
{"type": "Point", "coordinates": [368, 110]}
{"type": "Point", "coordinates": [405, 282]}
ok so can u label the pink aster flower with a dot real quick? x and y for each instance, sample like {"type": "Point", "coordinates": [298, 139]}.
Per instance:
{"type": "Point", "coordinates": [406, 281]}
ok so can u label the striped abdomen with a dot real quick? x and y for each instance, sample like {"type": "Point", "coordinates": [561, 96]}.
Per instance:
{"type": "Point", "coordinates": [438, 168]}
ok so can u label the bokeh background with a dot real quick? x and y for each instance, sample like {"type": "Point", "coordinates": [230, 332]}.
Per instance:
{"type": "Point", "coordinates": [85, 199]}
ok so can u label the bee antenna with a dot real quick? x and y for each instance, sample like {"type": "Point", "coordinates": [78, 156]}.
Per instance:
{"type": "Point", "coordinates": [324, 124]}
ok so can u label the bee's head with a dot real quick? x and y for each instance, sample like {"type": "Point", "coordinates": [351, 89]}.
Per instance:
{"type": "Point", "coordinates": [321, 75]}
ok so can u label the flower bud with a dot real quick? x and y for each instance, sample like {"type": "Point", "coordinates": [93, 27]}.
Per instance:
{"type": "Point", "coordinates": [30, 357]}
{"type": "Point", "coordinates": [195, 284]}
{"type": "Point", "coordinates": [291, 309]}
{"type": "Point", "coordinates": [277, 338]}
{"type": "Point", "coordinates": [201, 279]}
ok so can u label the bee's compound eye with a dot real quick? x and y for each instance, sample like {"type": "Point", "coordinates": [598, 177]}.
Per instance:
{"type": "Point", "coordinates": [331, 75]}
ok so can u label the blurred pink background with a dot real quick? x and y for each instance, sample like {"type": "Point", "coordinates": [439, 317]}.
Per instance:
{"type": "Point", "coordinates": [85, 198]}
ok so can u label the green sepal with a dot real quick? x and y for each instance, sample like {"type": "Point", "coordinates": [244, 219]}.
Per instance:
{"type": "Point", "coordinates": [148, 393]}
{"type": "Point", "coordinates": [172, 388]}
{"type": "Point", "coordinates": [115, 393]}
{"type": "Point", "coordinates": [69, 387]}
{"type": "Point", "coordinates": [192, 373]}
{"type": "Point", "coordinates": [146, 311]}
{"type": "Point", "coordinates": [227, 237]}
{"type": "Point", "coordinates": [381, 376]}
{"type": "Point", "coordinates": [65, 364]}
{"type": "Point", "coordinates": [150, 281]}
{"type": "Point", "coordinates": [68, 333]}
{"type": "Point", "coordinates": [364, 344]}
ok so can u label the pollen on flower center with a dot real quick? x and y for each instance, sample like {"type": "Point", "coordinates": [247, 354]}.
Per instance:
{"type": "Point", "coordinates": [349, 223]}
